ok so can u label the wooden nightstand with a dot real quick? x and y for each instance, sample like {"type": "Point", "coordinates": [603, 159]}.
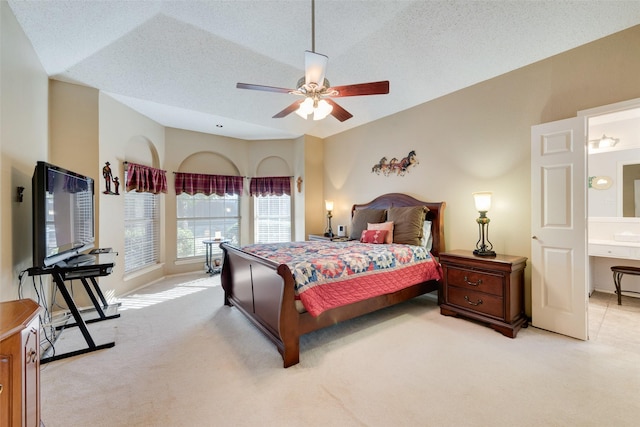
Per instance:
{"type": "Point", "coordinates": [486, 289]}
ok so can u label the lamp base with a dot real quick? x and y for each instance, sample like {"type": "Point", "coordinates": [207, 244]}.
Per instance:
{"type": "Point", "coordinates": [484, 252]}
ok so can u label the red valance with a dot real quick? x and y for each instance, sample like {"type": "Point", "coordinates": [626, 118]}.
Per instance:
{"type": "Point", "coordinates": [145, 179]}
{"type": "Point", "coordinates": [192, 183]}
{"type": "Point", "coordinates": [270, 186]}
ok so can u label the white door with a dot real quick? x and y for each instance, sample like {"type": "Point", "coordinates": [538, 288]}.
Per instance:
{"type": "Point", "coordinates": [559, 258]}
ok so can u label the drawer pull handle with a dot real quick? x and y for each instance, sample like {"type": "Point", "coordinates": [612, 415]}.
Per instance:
{"type": "Point", "coordinates": [478, 283]}
{"type": "Point", "coordinates": [466, 298]}
{"type": "Point", "coordinates": [1, 388]}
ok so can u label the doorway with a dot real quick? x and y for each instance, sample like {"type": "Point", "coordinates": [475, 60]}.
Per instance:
{"type": "Point", "coordinates": [613, 219]}
{"type": "Point", "coordinates": [569, 244]}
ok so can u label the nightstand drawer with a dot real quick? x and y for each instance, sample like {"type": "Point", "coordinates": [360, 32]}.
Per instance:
{"type": "Point", "coordinates": [475, 280]}
{"type": "Point", "coordinates": [476, 301]}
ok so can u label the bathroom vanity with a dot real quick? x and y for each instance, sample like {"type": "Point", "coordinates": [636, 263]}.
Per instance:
{"type": "Point", "coordinates": [613, 241]}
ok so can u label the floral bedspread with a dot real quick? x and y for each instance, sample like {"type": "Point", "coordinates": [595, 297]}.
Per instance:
{"type": "Point", "coordinates": [331, 274]}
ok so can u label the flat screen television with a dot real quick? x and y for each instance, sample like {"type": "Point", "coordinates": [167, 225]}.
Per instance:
{"type": "Point", "coordinates": [63, 214]}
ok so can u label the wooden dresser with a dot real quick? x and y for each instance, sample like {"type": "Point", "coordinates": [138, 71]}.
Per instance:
{"type": "Point", "coordinates": [486, 289]}
{"type": "Point", "coordinates": [19, 363]}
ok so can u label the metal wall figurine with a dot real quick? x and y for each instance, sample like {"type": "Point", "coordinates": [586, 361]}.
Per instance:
{"type": "Point", "coordinates": [395, 166]}
{"type": "Point", "coordinates": [109, 179]}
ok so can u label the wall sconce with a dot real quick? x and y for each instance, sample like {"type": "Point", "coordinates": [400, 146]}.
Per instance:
{"type": "Point", "coordinates": [329, 206]}
{"type": "Point", "coordinates": [600, 182]}
{"type": "Point", "coordinates": [483, 204]}
{"type": "Point", "coordinates": [604, 142]}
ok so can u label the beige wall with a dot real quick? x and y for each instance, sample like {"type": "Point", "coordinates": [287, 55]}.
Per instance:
{"type": "Point", "coordinates": [23, 141]}
{"type": "Point", "coordinates": [73, 132]}
{"type": "Point", "coordinates": [479, 139]}
{"type": "Point", "coordinates": [313, 186]}
{"type": "Point", "coordinates": [126, 135]}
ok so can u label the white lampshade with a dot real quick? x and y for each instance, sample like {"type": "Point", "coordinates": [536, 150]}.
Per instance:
{"type": "Point", "coordinates": [305, 108]}
{"type": "Point", "coordinates": [301, 114]}
{"type": "Point", "coordinates": [322, 110]}
{"type": "Point", "coordinates": [328, 205]}
{"type": "Point", "coordinates": [483, 201]}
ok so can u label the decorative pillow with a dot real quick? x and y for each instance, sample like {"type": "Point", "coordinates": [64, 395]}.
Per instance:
{"type": "Point", "coordinates": [408, 223]}
{"type": "Point", "coordinates": [383, 226]}
{"type": "Point", "coordinates": [361, 217]}
{"type": "Point", "coordinates": [373, 236]}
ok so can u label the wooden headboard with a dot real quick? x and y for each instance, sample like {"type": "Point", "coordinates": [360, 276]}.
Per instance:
{"type": "Point", "coordinates": [435, 214]}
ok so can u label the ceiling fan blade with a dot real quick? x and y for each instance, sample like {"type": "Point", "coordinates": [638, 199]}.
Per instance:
{"type": "Point", "coordinates": [338, 112]}
{"type": "Point", "coordinates": [262, 88]}
{"type": "Point", "coordinates": [290, 109]}
{"type": "Point", "coordinates": [373, 88]}
{"type": "Point", "coordinates": [315, 65]}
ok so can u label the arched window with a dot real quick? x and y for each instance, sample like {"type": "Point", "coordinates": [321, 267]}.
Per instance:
{"type": "Point", "coordinates": [207, 206]}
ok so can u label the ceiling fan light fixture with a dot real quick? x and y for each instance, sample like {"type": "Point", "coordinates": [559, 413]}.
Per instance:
{"type": "Point", "coordinates": [322, 110]}
{"type": "Point", "coordinates": [314, 87]}
{"type": "Point", "coordinates": [306, 108]}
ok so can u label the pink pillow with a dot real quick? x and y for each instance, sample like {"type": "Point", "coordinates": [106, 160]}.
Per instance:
{"type": "Point", "coordinates": [373, 236]}
{"type": "Point", "coordinates": [383, 226]}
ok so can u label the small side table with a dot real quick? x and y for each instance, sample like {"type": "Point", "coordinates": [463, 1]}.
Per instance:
{"type": "Point", "coordinates": [214, 266]}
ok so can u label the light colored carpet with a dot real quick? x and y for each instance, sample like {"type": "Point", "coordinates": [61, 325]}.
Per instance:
{"type": "Point", "coordinates": [184, 359]}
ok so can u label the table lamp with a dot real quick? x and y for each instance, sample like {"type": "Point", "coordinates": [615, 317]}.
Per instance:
{"type": "Point", "coordinates": [483, 204]}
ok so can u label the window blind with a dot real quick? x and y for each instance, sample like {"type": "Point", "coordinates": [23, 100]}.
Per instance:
{"type": "Point", "coordinates": [141, 228]}
{"type": "Point", "coordinates": [272, 219]}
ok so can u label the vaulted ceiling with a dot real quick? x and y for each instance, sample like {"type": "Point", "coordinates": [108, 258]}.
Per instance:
{"type": "Point", "coordinates": [178, 62]}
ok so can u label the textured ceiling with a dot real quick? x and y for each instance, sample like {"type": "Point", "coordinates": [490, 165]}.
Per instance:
{"type": "Point", "coordinates": [177, 62]}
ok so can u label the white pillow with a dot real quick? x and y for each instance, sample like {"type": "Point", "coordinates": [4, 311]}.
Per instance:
{"type": "Point", "coordinates": [427, 239]}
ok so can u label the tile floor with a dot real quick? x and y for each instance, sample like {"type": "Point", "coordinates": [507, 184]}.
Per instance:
{"type": "Point", "coordinates": [615, 324]}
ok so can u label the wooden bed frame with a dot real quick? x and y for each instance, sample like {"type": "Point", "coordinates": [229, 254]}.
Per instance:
{"type": "Point", "coordinates": [264, 290]}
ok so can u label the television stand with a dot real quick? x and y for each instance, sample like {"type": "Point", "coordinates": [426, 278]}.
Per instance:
{"type": "Point", "coordinates": [62, 272]}
{"type": "Point", "coordinates": [80, 260]}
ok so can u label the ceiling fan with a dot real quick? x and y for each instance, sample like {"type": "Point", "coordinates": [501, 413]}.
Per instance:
{"type": "Point", "coordinates": [315, 89]}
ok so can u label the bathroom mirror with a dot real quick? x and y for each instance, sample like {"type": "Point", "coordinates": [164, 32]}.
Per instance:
{"type": "Point", "coordinates": [630, 189]}
{"type": "Point", "coordinates": [618, 199]}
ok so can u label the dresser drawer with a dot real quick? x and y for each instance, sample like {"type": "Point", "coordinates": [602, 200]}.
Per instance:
{"type": "Point", "coordinates": [475, 280]}
{"type": "Point", "coordinates": [476, 301]}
